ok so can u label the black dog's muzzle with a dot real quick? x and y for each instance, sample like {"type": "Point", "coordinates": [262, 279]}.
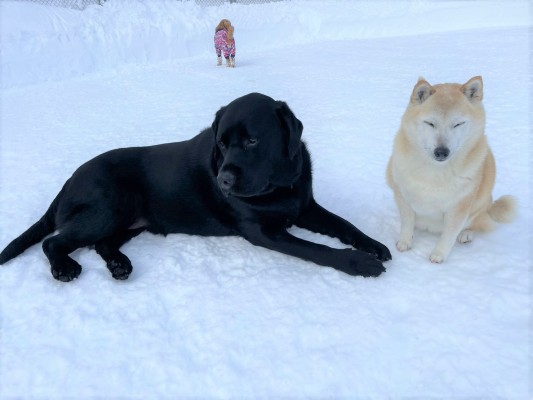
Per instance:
{"type": "Point", "coordinates": [226, 181]}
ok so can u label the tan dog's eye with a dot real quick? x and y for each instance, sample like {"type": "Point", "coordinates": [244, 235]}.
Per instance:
{"type": "Point", "coordinates": [459, 124]}
{"type": "Point", "coordinates": [429, 123]}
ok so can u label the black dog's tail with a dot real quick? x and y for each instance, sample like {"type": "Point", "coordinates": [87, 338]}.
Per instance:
{"type": "Point", "coordinates": [37, 232]}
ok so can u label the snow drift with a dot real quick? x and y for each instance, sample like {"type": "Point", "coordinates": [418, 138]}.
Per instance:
{"type": "Point", "coordinates": [41, 43]}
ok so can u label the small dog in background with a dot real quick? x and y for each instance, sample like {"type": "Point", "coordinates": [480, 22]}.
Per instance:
{"type": "Point", "coordinates": [225, 43]}
{"type": "Point", "coordinates": [442, 170]}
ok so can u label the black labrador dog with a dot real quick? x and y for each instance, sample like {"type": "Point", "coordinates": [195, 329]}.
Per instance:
{"type": "Point", "coordinates": [249, 174]}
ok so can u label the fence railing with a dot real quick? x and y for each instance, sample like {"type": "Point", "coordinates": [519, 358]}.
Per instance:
{"type": "Point", "coordinates": [75, 4]}
{"type": "Point", "coordinates": [82, 4]}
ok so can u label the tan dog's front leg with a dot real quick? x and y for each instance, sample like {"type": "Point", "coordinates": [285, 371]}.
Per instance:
{"type": "Point", "coordinates": [454, 221]}
{"type": "Point", "coordinates": [407, 217]}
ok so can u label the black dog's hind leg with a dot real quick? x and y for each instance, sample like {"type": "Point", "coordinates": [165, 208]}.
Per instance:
{"type": "Point", "coordinates": [84, 227]}
{"type": "Point", "coordinates": [116, 261]}
{"type": "Point", "coordinates": [317, 219]}
{"type": "Point", "coordinates": [57, 248]}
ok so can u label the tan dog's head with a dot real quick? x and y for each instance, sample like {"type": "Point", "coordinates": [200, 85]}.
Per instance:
{"type": "Point", "coordinates": [226, 25]}
{"type": "Point", "coordinates": [223, 24]}
{"type": "Point", "coordinates": [445, 118]}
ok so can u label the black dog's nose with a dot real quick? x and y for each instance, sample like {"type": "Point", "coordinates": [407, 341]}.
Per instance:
{"type": "Point", "coordinates": [226, 180]}
{"type": "Point", "coordinates": [441, 153]}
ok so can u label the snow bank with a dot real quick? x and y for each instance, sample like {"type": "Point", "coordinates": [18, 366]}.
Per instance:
{"type": "Point", "coordinates": [41, 43]}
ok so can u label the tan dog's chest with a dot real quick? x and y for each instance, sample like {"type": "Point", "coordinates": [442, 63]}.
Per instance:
{"type": "Point", "coordinates": [432, 192]}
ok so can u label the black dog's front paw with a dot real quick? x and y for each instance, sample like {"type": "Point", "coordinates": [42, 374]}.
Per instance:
{"type": "Point", "coordinates": [120, 267]}
{"type": "Point", "coordinates": [66, 270]}
{"type": "Point", "coordinates": [362, 264]}
{"type": "Point", "coordinates": [373, 247]}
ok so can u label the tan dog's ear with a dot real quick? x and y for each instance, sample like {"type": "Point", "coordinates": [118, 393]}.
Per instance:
{"type": "Point", "coordinates": [421, 91]}
{"type": "Point", "coordinates": [473, 89]}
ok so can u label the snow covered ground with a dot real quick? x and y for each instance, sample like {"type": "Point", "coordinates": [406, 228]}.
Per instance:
{"type": "Point", "coordinates": [218, 317]}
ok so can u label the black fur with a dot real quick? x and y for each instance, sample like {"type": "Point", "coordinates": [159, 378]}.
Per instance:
{"type": "Point", "coordinates": [247, 175]}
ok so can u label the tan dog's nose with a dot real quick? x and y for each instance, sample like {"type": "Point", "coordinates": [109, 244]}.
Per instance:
{"type": "Point", "coordinates": [441, 153]}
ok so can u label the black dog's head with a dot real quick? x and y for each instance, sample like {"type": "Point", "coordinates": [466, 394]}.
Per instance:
{"type": "Point", "coordinates": [258, 146]}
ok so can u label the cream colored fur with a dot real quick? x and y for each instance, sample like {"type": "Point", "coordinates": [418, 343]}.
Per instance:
{"type": "Point", "coordinates": [442, 170]}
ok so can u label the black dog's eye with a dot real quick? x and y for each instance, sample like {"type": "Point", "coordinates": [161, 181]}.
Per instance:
{"type": "Point", "coordinates": [221, 144]}
{"type": "Point", "coordinates": [429, 123]}
{"type": "Point", "coordinates": [459, 124]}
{"type": "Point", "coordinates": [250, 142]}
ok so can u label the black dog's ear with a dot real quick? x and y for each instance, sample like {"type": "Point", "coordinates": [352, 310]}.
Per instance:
{"type": "Point", "coordinates": [218, 115]}
{"type": "Point", "coordinates": [293, 125]}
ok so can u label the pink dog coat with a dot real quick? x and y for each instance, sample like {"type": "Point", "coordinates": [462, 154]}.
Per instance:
{"type": "Point", "coordinates": [221, 45]}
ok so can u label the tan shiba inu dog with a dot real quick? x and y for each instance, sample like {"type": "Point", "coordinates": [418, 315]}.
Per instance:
{"type": "Point", "coordinates": [442, 170]}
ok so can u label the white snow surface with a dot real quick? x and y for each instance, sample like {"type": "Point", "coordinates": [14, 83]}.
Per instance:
{"type": "Point", "coordinates": [217, 317]}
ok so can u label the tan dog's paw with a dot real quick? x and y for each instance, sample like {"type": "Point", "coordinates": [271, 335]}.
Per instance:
{"type": "Point", "coordinates": [404, 245]}
{"type": "Point", "coordinates": [465, 236]}
{"type": "Point", "coordinates": [437, 257]}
